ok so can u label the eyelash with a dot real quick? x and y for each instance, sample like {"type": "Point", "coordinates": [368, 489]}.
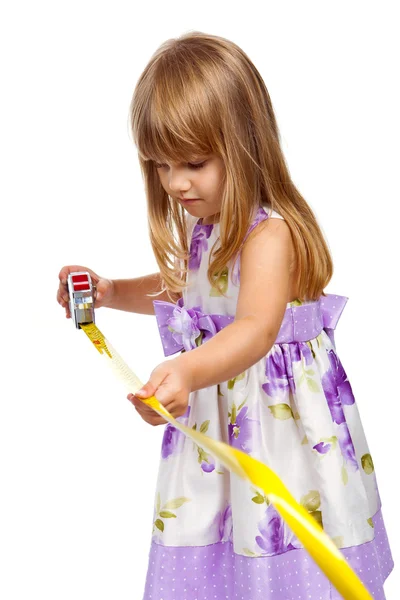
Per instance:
{"type": "Point", "coordinates": [191, 165]}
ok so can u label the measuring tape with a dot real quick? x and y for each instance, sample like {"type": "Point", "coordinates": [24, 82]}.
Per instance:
{"type": "Point", "coordinates": [317, 543]}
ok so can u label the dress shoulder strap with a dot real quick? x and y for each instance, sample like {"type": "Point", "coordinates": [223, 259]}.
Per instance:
{"type": "Point", "coordinates": [272, 213]}
{"type": "Point", "coordinates": [261, 215]}
{"type": "Point", "coordinates": [264, 212]}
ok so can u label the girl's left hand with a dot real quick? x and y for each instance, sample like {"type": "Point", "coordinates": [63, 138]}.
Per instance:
{"type": "Point", "coordinates": [170, 385]}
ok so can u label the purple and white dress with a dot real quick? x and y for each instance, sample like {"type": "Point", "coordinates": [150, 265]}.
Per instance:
{"type": "Point", "coordinates": [215, 536]}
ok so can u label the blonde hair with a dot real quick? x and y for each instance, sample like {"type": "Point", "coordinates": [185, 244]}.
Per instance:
{"type": "Point", "coordinates": [200, 94]}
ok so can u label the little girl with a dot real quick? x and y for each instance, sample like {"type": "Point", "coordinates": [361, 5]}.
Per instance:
{"type": "Point", "coordinates": [242, 269]}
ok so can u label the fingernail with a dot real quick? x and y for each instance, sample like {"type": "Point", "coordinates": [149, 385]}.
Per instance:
{"type": "Point", "coordinates": [140, 393]}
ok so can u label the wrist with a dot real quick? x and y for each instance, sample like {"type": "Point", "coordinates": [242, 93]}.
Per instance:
{"type": "Point", "coordinates": [110, 296]}
{"type": "Point", "coordinates": [185, 363]}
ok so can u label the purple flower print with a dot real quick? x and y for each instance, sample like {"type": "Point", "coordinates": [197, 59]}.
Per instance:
{"type": "Point", "coordinates": [226, 524]}
{"type": "Point", "coordinates": [322, 447]}
{"type": "Point", "coordinates": [338, 392]}
{"type": "Point", "coordinates": [244, 432]}
{"type": "Point", "coordinates": [337, 388]}
{"type": "Point", "coordinates": [184, 326]}
{"type": "Point", "coordinates": [275, 370]}
{"type": "Point", "coordinates": [305, 350]}
{"type": "Point", "coordinates": [271, 528]}
{"type": "Point", "coordinates": [199, 244]}
{"type": "Point", "coordinates": [346, 446]}
{"type": "Point", "coordinates": [278, 367]}
{"type": "Point", "coordinates": [275, 537]}
{"type": "Point", "coordinates": [173, 438]}
{"type": "Point", "coordinates": [298, 351]}
{"type": "Point", "coordinates": [205, 460]}
{"type": "Point", "coordinates": [209, 466]}
{"type": "Point", "coordinates": [223, 525]}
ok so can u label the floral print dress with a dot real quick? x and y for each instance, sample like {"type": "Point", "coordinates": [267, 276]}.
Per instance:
{"type": "Point", "coordinates": [214, 535]}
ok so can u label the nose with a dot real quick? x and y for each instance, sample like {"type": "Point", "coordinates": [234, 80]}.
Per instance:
{"type": "Point", "coordinates": [178, 180]}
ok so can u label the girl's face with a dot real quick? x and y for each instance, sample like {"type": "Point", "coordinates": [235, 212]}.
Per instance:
{"type": "Point", "coordinates": [200, 179]}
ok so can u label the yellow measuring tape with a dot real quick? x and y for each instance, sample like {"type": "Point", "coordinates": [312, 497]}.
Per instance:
{"type": "Point", "coordinates": [317, 543]}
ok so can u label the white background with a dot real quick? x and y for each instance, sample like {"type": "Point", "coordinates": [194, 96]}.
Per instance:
{"type": "Point", "coordinates": [78, 466]}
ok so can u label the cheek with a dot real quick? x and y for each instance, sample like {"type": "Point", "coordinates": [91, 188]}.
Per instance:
{"type": "Point", "coordinates": [217, 183]}
{"type": "Point", "coordinates": [210, 181]}
{"type": "Point", "coordinates": [164, 182]}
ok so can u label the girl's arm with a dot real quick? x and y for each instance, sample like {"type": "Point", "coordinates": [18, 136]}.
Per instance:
{"type": "Point", "coordinates": [265, 277]}
{"type": "Point", "coordinates": [130, 294]}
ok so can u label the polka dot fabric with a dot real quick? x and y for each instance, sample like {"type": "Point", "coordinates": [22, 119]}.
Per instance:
{"type": "Point", "coordinates": [215, 572]}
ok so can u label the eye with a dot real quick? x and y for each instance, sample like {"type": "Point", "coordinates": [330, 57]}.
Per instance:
{"type": "Point", "coordinates": [197, 165]}
{"type": "Point", "coordinates": [191, 165]}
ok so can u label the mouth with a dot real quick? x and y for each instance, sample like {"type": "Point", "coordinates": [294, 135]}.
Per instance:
{"type": "Point", "coordinates": [189, 200]}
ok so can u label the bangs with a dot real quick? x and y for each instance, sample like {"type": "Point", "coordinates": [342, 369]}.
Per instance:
{"type": "Point", "coordinates": [161, 137]}
{"type": "Point", "coordinates": [160, 146]}
{"type": "Point", "coordinates": [176, 116]}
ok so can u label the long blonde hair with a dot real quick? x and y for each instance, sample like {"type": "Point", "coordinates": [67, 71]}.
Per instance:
{"type": "Point", "coordinates": [200, 94]}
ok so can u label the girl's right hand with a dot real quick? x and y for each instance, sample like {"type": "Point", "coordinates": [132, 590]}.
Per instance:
{"type": "Point", "coordinates": [103, 296]}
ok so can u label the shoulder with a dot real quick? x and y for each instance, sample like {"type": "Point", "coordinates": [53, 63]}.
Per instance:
{"type": "Point", "coordinates": [270, 240]}
{"type": "Point", "coordinates": [271, 231]}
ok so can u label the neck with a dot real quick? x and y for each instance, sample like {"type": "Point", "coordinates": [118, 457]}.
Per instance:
{"type": "Point", "coordinates": [210, 220]}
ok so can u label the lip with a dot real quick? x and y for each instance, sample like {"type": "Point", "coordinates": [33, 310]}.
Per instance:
{"type": "Point", "coordinates": [189, 200]}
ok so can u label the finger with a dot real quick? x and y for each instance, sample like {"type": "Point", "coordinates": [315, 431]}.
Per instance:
{"type": "Point", "coordinates": [66, 270]}
{"type": "Point", "coordinates": [63, 275]}
{"type": "Point", "coordinates": [63, 297]}
{"type": "Point", "coordinates": [168, 401]}
{"type": "Point", "coordinates": [156, 421]}
{"type": "Point", "coordinates": [141, 406]}
{"type": "Point", "coordinates": [154, 415]}
{"type": "Point", "coordinates": [141, 401]}
{"type": "Point", "coordinates": [146, 412]}
{"type": "Point", "coordinates": [65, 305]}
{"type": "Point", "coordinates": [160, 422]}
{"type": "Point", "coordinates": [170, 406]}
{"type": "Point", "coordinates": [62, 294]}
{"type": "Point", "coordinates": [146, 409]}
{"type": "Point", "coordinates": [151, 419]}
{"type": "Point", "coordinates": [63, 300]}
